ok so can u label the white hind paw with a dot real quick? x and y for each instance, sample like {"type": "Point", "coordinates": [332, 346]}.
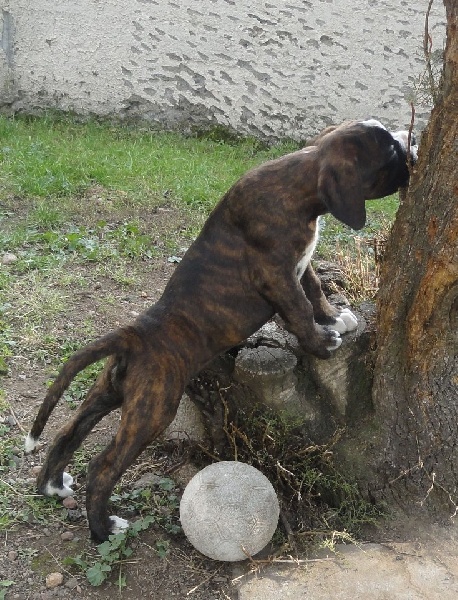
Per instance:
{"type": "Point", "coordinates": [118, 524]}
{"type": "Point", "coordinates": [67, 479]}
{"type": "Point", "coordinates": [30, 443]}
{"type": "Point", "coordinates": [62, 492]}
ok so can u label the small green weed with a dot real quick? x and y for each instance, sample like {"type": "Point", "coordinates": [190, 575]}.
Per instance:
{"type": "Point", "coordinates": [25, 507]}
{"type": "Point", "coordinates": [81, 459]}
{"type": "Point", "coordinates": [111, 554]}
{"type": "Point", "coordinates": [132, 242]}
{"type": "Point", "coordinates": [30, 508]}
{"type": "Point", "coordinates": [162, 502]}
{"type": "Point", "coordinates": [6, 341]}
{"type": "Point", "coordinates": [5, 583]}
{"type": "Point", "coordinates": [45, 216]}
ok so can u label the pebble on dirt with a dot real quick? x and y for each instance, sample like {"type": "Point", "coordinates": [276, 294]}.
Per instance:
{"type": "Point", "coordinates": [9, 258]}
{"type": "Point", "coordinates": [70, 502]}
{"type": "Point", "coordinates": [54, 580]}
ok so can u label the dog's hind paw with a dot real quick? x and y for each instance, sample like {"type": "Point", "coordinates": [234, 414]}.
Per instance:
{"type": "Point", "coordinates": [63, 492]}
{"type": "Point", "coordinates": [67, 479]}
{"type": "Point", "coordinates": [30, 443]}
{"type": "Point", "coordinates": [118, 524]}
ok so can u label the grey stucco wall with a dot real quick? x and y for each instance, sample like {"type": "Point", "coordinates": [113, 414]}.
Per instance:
{"type": "Point", "coordinates": [272, 69]}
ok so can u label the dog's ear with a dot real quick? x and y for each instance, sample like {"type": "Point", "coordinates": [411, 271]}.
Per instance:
{"type": "Point", "coordinates": [340, 188]}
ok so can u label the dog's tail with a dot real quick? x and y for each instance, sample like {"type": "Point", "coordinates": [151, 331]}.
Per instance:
{"type": "Point", "coordinates": [116, 342]}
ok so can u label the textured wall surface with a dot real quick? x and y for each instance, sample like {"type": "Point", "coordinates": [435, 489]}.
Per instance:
{"type": "Point", "coordinates": [272, 69]}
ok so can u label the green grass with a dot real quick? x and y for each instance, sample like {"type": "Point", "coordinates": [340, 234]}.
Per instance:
{"type": "Point", "coordinates": [59, 156]}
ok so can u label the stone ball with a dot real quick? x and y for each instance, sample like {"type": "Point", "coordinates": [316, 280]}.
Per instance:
{"type": "Point", "coordinates": [229, 511]}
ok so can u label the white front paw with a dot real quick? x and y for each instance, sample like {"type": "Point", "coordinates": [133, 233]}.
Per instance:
{"type": "Point", "coordinates": [336, 342]}
{"type": "Point", "coordinates": [349, 319]}
{"type": "Point", "coordinates": [339, 325]}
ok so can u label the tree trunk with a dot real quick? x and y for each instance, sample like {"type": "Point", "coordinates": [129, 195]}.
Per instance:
{"type": "Point", "coordinates": [416, 375]}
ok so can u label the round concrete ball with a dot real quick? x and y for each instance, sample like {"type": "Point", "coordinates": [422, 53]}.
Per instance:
{"type": "Point", "coordinates": [229, 511]}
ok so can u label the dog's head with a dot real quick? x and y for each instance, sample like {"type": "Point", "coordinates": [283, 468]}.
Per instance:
{"type": "Point", "coordinates": [359, 161]}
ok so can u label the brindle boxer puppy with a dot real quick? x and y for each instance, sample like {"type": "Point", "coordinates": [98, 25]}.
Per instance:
{"type": "Point", "coordinates": [251, 260]}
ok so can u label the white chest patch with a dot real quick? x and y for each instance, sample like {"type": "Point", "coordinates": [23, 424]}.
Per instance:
{"type": "Point", "coordinates": [307, 255]}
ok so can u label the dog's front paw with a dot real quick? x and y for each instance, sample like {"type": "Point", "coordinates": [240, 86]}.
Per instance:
{"type": "Point", "coordinates": [345, 321]}
{"type": "Point", "coordinates": [350, 320]}
{"type": "Point", "coordinates": [323, 341]}
{"type": "Point", "coordinates": [333, 340]}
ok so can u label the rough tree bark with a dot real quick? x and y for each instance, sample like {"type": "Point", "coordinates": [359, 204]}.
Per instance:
{"type": "Point", "coordinates": [416, 375]}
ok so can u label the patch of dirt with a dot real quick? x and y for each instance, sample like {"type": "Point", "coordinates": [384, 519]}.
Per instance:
{"type": "Point", "coordinates": [39, 545]}
{"type": "Point", "coordinates": [32, 554]}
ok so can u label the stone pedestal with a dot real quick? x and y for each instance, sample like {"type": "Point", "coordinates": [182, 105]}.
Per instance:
{"type": "Point", "coordinates": [272, 369]}
{"type": "Point", "coordinates": [187, 424]}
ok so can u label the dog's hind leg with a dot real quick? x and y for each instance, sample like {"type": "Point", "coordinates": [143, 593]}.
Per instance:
{"type": "Point", "coordinates": [101, 399]}
{"type": "Point", "coordinates": [147, 411]}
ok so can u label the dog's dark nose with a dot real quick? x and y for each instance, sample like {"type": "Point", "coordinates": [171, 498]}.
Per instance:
{"type": "Point", "coordinates": [413, 140]}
